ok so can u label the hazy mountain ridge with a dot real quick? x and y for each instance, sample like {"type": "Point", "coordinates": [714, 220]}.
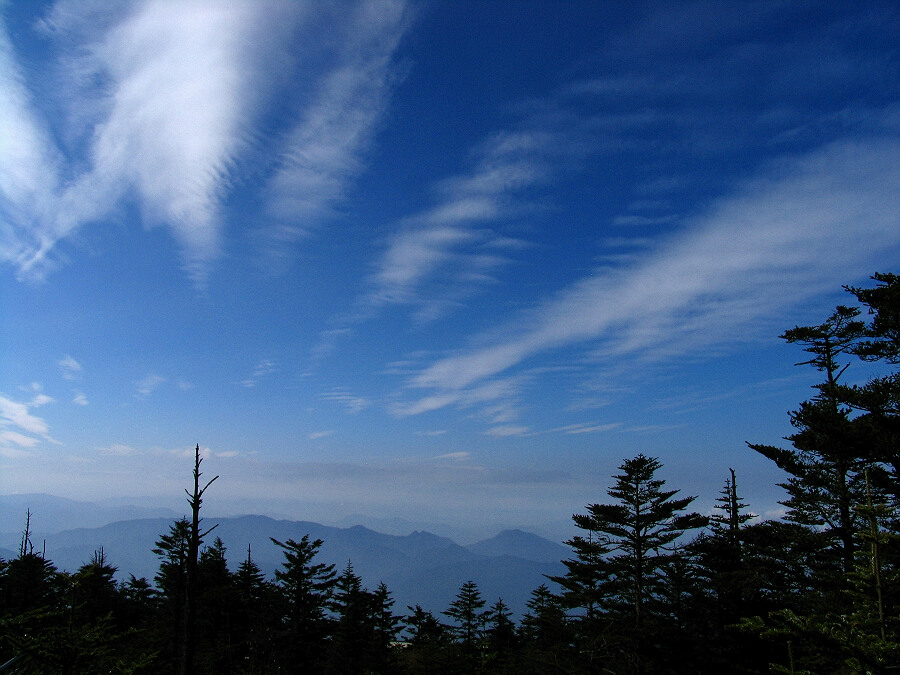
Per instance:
{"type": "Point", "coordinates": [51, 514]}
{"type": "Point", "coordinates": [419, 568]}
{"type": "Point", "coordinates": [521, 544]}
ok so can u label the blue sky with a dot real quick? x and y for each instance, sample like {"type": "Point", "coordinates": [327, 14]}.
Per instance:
{"type": "Point", "coordinates": [446, 260]}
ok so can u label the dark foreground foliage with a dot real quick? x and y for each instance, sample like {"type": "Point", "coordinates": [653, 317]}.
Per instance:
{"type": "Point", "coordinates": [650, 587]}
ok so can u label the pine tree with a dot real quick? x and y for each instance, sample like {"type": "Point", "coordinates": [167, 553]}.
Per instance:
{"type": "Point", "coordinates": [586, 582]}
{"type": "Point", "coordinates": [544, 624]}
{"type": "Point", "coordinates": [546, 636]}
{"type": "Point", "coordinates": [426, 642]}
{"type": "Point", "coordinates": [879, 399]}
{"type": "Point", "coordinates": [218, 606]}
{"type": "Point", "coordinates": [259, 607]}
{"type": "Point", "coordinates": [354, 625]}
{"type": "Point", "coordinates": [469, 617]}
{"type": "Point", "coordinates": [636, 537]}
{"type": "Point", "coordinates": [386, 627]}
{"type": "Point", "coordinates": [95, 590]}
{"type": "Point", "coordinates": [195, 539]}
{"type": "Point", "coordinates": [501, 640]}
{"type": "Point", "coordinates": [307, 588]}
{"type": "Point", "coordinates": [641, 528]}
{"type": "Point", "coordinates": [844, 434]}
{"type": "Point", "coordinates": [423, 627]}
{"type": "Point", "coordinates": [467, 611]}
{"type": "Point", "coordinates": [827, 460]}
{"type": "Point", "coordinates": [720, 556]}
{"type": "Point", "coordinates": [171, 580]}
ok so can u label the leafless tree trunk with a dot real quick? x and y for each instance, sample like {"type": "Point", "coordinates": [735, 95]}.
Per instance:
{"type": "Point", "coordinates": [195, 499]}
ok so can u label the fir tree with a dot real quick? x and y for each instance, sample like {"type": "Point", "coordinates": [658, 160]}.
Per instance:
{"type": "Point", "coordinates": [426, 642]}
{"type": "Point", "coordinates": [636, 538]}
{"type": "Point", "coordinates": [306, 587]}
{"type": "Point", "coordinates": [640, 530]}
{"type": "Point", "coordinates": [827, 460]}
{"type": "Point", "coordinates": [467, 611]}
{"type": "Point", "coordinates": [501, 640]}
{"type": "Point", "coordinates": [354, 624]}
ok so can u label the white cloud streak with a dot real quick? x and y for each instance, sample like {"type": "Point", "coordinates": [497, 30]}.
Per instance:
{"type": "Point", "coordinates": [18, 439]}
{"type": "Point", "coordinates": [29, 168]}
{"type": "Point", "coordinates": [325, 148]}
{"type": "Point", "coordinates": [70, 367]}
{"type": "Point", "coordinates": [450, 244]}
{"type": "Point", "coordinates": [263, 368]}
{"type": "Point", "coordinates": [147, 385]}
{"type": "Point", "coordinates": [178, 85]}
{"type": "Point", "coordinates": [819, 219]}
{"type": "Point", "coordinates": [16, 418]}
{"type": "Point", "coordinates": [161, 103]}
{"type": "Point", "coordinates": [167, 124]}
{"type": "Point", "coordinates": [350, 401]}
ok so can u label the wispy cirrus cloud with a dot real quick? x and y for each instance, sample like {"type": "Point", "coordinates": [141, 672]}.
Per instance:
{"type": "Point", "coordinates": [350, 401]}
{"type": "Point", "coordinates": [263, 368]}
{"type": "Point", "coordinates": [437, 259]}
{"type": "Point", "coordinates": [118, 450]}
{"type": "Point", "coordinates": [440, 256]}
{"type": "Point", "coordinates": [19, 426]}
{"type": "Point", "coordinates": [70, 367]}
{"type": "Point", "coordinates": [325, 148]}
{"type": "Point", "coordinates": [161, 102]}
{"type": "Point", "coordinates": [145, 387]}
{"type": "Point", "coordinates": [29, 168]}
{"type": "Point", "coordinates": [163, 88]}
{"type": "Point", "coordinates": [818, 219]}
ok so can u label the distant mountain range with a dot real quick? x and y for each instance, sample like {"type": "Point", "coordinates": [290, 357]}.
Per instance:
{"type": "Point", "coordinates": [419, 568]}
{"type": "Point", "coordinates": [50, 514]}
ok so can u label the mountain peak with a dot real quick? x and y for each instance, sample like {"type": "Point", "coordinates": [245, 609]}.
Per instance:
{"type": "Point", "coordinates": [520, 544]}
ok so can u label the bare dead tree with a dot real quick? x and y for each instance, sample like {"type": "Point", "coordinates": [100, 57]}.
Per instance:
{"type": "Point", "coordinates": [195, 499]}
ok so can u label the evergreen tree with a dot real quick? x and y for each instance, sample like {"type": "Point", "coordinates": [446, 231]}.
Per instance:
{"type": "Point", "coordinates": [195, 539]}
{"type": "Point", "coordinates": [469, 617]}
{"type": "Point", "coordinates": [33, 603]}
{"type": "Point", "coordinates": [501, 640]}
{"type": "Point", "coordinates": [586, 582]}
{"type": "Point", "coordinates": [426, 643]}
{"type": "Point", "coordinates": [139, 603]}
{"type": "Point", "coordinates": [467, 611]}
{"type": "Point", "coordinates": [95, 591]}
{"type": "Point", "coordinates": [423, 627]}
{"type": "Point", "coordinates": [387, 626]}
{"type": "Point", "coordinates": [218, 605]}
{"type": "Point", "coordinates": [544, 623]}
{"type": "Point", "coordinates": [354, 627]}
{"type": "Point", "coordinates": [827, 460]}
{"type": "Point", "coordinates": [171, 580]}
{"type": "Point", "coordinates": [641, 529]}
{"type": "Point", "coordinates": [307, 588]}
{"type": "Point", "coordinates": [720, 557]}
{"type": "Point", "coordinates": [256, 619]}
{"type": "Point", "coordinates": [879, 399]}
{"type": "Point", "coordinates": [636, 534]}
{"type": "Point", "coordinates": [546, 636]}
{"type": "Point", "coordinates": [840, 492]}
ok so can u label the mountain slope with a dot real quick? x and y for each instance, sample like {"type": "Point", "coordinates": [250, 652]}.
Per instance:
{"type": "Point", "coordinates": [521, 545]}
{"type": "Point", "coordinates": [419, 568]}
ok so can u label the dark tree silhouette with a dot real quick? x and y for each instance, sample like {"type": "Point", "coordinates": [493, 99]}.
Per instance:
{"type": "Point", "coordinates": [307, 588]}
